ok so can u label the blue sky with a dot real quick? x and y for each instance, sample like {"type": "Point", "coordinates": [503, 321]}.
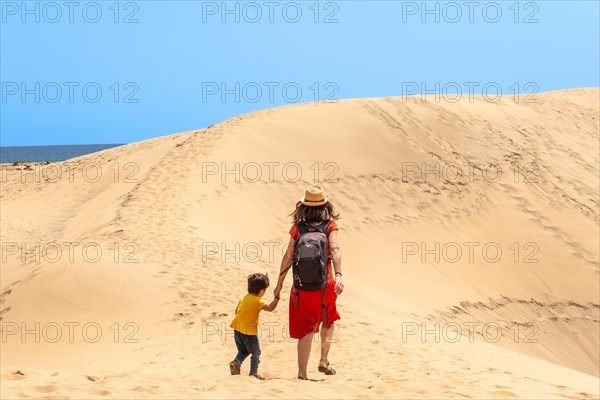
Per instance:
{"type": "Point", "coordinates": [119, 72]}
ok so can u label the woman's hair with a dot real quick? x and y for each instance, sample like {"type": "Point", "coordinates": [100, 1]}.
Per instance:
{"type": "Point", "coordinates": [309, 214]}
{"type": "Point", "coordinates": [257, 282]}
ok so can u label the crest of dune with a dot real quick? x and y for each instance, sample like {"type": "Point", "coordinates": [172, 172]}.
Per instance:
{"type": "Point", "coordinates": [469, 236]}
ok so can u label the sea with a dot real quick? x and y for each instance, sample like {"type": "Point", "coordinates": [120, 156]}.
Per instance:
{"type": "Point", "coordinates": [11, 154]}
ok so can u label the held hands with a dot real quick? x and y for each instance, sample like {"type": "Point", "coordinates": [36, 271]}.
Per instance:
{"type": "Point", "coordinates": [339, 285]}
{"type": "Point", "coordinates": [277, 291]}
{"type": "Point", "coordinates": [273, 305]}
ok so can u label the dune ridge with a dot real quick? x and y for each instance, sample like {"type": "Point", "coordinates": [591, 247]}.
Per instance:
{"type": "Point", "coordinates": [428, 191]}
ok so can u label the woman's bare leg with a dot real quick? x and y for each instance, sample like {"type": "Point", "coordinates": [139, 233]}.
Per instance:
{"type": "Point", "coordinates": [304, 346]}
{"type": "Point", "coordinates": [326, 338]}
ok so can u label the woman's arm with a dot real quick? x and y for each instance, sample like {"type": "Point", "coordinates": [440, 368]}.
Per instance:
{"type": "Point", "coordinates": [335, 252]}
{"type": "Point", "coordinates": [287, 259]}
{"type": "Point", "coordinates": [336, 259]}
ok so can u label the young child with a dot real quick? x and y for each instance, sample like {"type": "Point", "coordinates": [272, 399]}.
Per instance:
{"type": "Point", "coordinates": [245, 324]}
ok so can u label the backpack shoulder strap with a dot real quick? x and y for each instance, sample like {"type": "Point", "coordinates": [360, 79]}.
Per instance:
{"type": "Point", "coordinates": [323, 227]}
{"type": "Point", "coordinates": [302, 227]}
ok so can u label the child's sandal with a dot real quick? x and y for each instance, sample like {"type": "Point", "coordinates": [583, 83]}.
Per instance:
{"type": "Point", "coordinates": [235, 367]}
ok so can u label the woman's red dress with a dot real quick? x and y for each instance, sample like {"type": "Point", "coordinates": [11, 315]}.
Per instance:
{"type": "Point", "coordinates": [306, 316]}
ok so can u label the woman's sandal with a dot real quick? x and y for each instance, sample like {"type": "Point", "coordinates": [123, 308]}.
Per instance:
{"type": "Point", "coordinates": [301, 378]}
{"type": "Point", "coordinates": [327, 370]}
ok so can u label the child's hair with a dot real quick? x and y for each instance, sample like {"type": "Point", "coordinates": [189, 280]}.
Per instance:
{"type": "Point", "coordinates": [311, 214]}
{"type": "Point", "coordinates": [257, 282]}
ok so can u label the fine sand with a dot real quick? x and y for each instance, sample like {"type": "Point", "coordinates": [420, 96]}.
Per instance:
{"type": "Point", "coordinates": [121, 269]}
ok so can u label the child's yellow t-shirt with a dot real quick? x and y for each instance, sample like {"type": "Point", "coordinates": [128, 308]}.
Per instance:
{"type": "Point", "coordinates": [246, 317]}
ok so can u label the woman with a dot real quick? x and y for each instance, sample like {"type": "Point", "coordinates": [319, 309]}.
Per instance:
{"type": "Point", "coordinates": [313, 212]}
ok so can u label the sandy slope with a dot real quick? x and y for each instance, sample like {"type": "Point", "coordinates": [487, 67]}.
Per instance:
{"type": "Point", "coordinates": [529, 317]}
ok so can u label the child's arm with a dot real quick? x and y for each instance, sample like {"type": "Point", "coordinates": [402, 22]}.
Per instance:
{"type": "Point", "coordinates": [272, 306]}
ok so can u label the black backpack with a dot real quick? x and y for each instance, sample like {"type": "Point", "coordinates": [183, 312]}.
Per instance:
{"type": "Point", "coordinates": [310, 257]}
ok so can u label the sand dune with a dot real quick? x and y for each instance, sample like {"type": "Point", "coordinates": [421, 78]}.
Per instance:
{"type": "Point", "coordinates": [469, 231]}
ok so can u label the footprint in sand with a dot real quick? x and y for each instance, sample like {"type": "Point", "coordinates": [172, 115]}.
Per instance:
{"type": "Point", "coordinates": [504, 394]}
{"type": "Point", "coordinates": [45, 388]}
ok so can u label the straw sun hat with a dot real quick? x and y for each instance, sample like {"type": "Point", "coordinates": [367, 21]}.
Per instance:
{"type": "Point", "coordinates": [314, 196]}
